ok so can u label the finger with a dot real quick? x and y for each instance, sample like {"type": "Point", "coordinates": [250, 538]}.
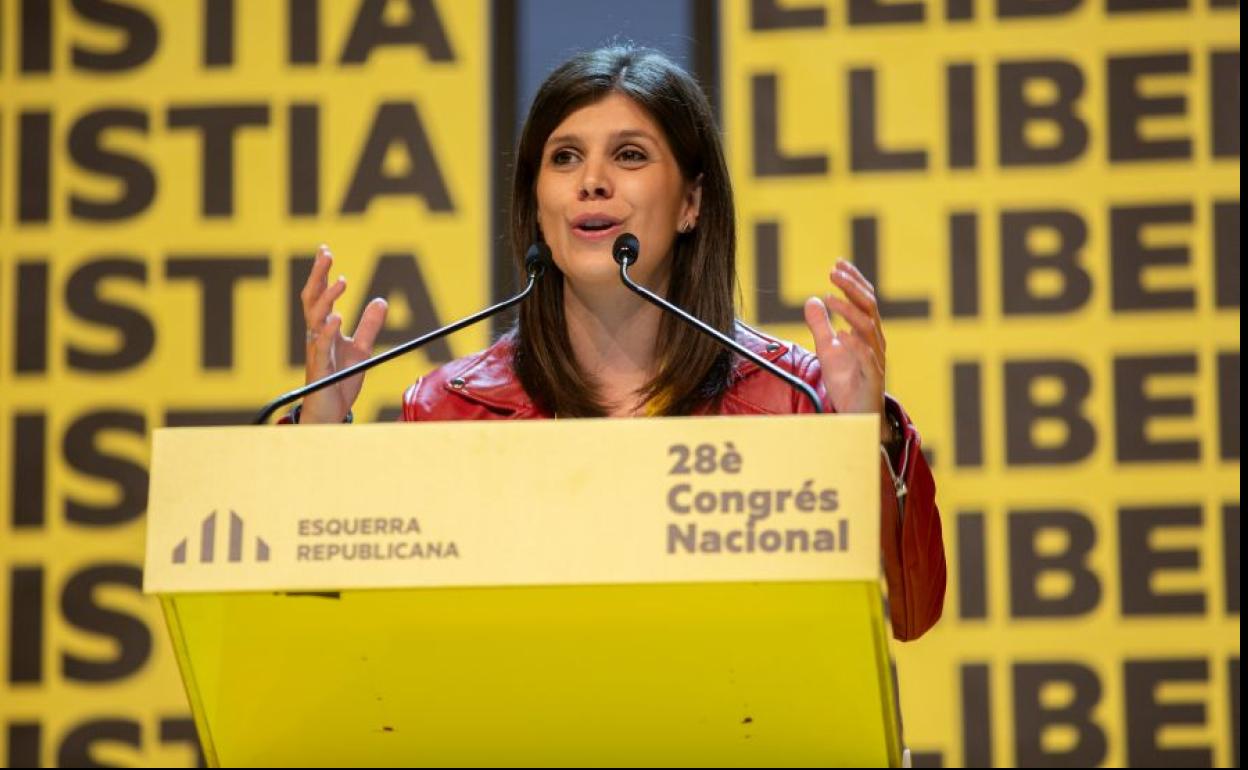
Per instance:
{"type": "Point", "coordinates": [852, 270]}
{"type": "Point", "coordinates": [323, 347]}
{"type": "Point", "coordinates": [862, 300]}
{"type": "Point", "coordinates": [324, 304]}
{"type": "Point", "coordinates": [371, 321]}
{"type": "Point", "coordinates": [816, 314]}
{"type": "Point", "coordinates": [863, 325]}
{"type": "Point", "coordinates": [857, 292]}
{"type": "Point", "coordinates": [317, 277]}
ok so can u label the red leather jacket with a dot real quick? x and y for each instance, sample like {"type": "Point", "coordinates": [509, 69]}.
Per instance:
{"type": "Point", "coordinates": [482, 386]}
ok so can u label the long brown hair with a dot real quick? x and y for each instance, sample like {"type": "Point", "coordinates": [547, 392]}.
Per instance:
{"type": "Point", "coordinates": [692, 368]}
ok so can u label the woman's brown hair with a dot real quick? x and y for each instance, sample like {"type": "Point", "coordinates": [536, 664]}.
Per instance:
{"type": "Point", "coordinates": [693, 370]}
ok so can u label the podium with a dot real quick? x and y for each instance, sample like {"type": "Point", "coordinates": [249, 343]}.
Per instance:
{"type": "Point", "coordinates": [652, 592]}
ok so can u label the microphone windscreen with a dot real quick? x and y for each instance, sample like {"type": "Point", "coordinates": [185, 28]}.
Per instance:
{"type": "Point", "coordinates": [626, 247]}
{"type": "Point", "coordinates": [536, 259]}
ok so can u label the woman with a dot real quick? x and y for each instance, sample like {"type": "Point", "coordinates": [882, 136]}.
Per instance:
{"type": "Point", "coordinates": [621, 140]}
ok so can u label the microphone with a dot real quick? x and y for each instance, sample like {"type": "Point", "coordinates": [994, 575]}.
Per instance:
{"type": "Point", "coordinates": [626, 251]}
{"type": "Point", "coordinates": [535, 262]}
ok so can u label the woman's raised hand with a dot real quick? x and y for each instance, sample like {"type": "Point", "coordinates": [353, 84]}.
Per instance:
{"type": "Point", "coordinates": [328, 350]}
{"type": "Point", "coordinates": [852, 360]}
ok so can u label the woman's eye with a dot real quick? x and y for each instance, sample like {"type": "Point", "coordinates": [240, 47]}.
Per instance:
{"type": "Point", "coordinates": [632, 155]}
{"type": "Point", "coordinates": [562, 157]}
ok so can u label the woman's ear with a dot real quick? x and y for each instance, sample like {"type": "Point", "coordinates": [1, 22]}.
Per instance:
{"type": "Point", "coordinates": [693, 202]}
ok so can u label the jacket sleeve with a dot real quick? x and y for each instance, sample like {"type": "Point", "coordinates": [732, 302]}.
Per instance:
{"type": "Point", "coordinates": [910, 537]}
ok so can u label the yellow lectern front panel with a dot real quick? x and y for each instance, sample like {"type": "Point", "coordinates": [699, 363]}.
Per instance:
{"type": "Point", "coordinates": [659, 675]}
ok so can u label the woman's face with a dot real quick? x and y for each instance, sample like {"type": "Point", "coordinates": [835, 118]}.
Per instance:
{"type": "Point", "coordinates": [607, 169]}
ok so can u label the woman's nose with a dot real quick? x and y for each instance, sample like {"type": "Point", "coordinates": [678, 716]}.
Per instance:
{"type": "Point", "coordinates": [595, 182]}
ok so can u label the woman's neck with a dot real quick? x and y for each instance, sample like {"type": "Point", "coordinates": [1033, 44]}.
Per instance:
{"type": "Point", "coordinates": [613, 334]}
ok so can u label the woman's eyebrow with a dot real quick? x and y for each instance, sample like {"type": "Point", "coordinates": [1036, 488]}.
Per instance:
{"type": "Point", "coordinates": [633, 133]}
{"type": "Point", "coordinates": [628, 133]}
{"type": "Point", "coordinates": [563, 139]}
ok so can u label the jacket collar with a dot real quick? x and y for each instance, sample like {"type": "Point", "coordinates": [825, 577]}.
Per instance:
{"type": "Point", "coordinates": [487, 378]}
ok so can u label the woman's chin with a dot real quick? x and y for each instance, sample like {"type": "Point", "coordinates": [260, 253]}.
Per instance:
{"type": "Point", "coordinates": [590, 264]}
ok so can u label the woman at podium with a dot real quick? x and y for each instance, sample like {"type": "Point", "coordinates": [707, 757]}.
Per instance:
{"type": "Point", "coordinates": [622, 140]}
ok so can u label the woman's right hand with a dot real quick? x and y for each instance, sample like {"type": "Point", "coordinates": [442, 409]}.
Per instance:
{"type": "Point", "coordinates": [328, 350]}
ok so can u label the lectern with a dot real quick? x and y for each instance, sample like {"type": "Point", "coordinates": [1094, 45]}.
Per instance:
{"type": "Point", "coordinates": [657, 592]}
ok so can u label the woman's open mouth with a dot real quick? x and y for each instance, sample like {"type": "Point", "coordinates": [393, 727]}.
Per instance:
{"type": "Point", "coordinates": [596, 227]}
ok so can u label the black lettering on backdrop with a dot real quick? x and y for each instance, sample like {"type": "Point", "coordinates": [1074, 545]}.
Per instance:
{"type": "Point", "coordinates": [182, 730]}
{"type": "Point", "coordinates": [397, 123]}
{"type": "Point", "coordinates": [1013, 9]}
{"type": "Point", "coordinates": [217, 278]}
{"type": "Point", "coordinates": [1016, 112]}
{"type": "Point", "coordinates": [1127, 108]}
{"type": "Point", "coordinates": [960, 83]}
{"type": "Point", "coordinates": [80, 608]}
{"type": "Point", "coordinates": [968, 401]}
{"type": "Point", "coordinates": [865, 151]}
{"type": "Point", "coordinates": [959, 10]}
{"type": "Point", "coordinates": [1028, 564]}
{"type": "Point", "coordinates": [964, 264]}
{"type": "Point", "coordinates": [1020, 258]}
{"type": "Point", "coordinates": [976, 716]}
{"type": "Point", "coordinates": [298, 268]}
{"type": "Point", "coordinates": [26, 628]}
{"type": "Point", "coordinates": [1228, 406]}
{"type": "Point", "coordinates": [1023, 412]}
{"type": "Point", "coordinates": [1139, 560]}
{"type": "Point", "coordinates": [972, 566]}
{"type": "Point", "coordinates": [304, 160]}
{"type": "Point", "coordinates": [768, 300]}
{"type": "Point", "coordinates": [218, 33]}
{"type": "Point", "coordinates": [422, 27]}
{"type": "Point", "coordinates": [34, 173]}
{"type": "Point", "coordinates": [198, 417]}
{"type": "Point", "coordinates": [1033, 717]}
{"type": "Point", "coordinates": [24, 740]}
{"type": "Point", "coordinates": [31, 349]}
{"type": "Point", "coordinates": [1146, 717]}
{"type": "Point", "coordinates": [83, 297]}
{"type": "Point", "coordinates": [1230, 557]}
{"type": "Point", "coordinates": [1232, 670]}
{"type": "Point", "coordinates": [865, 246]}
{"type": "Point", "coordinates": [1131, 257]}
{"type": "Point", "coordinates": [768, 158]}
{"type": "Point", "coordinates": [1224, 97]}
{"type": "Point", "coordinates": [1134, 409]}
{"type": "Point", "coordinates": [400, 274]}
{"type": "Point", "coordinates": [766, 14]}
{"type": "Point", "coordinates": [136, 181]}
{"type": "Point", "coordinates": [82, 453]}
{"type": "Point", "coordinates": [137, 30]}
{"type": "Point", "coordinates": [877, 12]}
{"type": "Point", "coordinates": [1226, 253]}
{"type": "Point", "coordinates": [303, 32]}
{"type": "Point", "coordinates": [217, 126]}
{"type": "Point", "coordinates": [30, 470]}
{"type": "Point", "coordinates": [77, 748]}
{"type": "Point", "coordinates": [36, 37]}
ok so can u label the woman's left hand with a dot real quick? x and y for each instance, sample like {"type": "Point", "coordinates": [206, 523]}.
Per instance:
{"type": "Point", "coordinates": [852, 360]}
